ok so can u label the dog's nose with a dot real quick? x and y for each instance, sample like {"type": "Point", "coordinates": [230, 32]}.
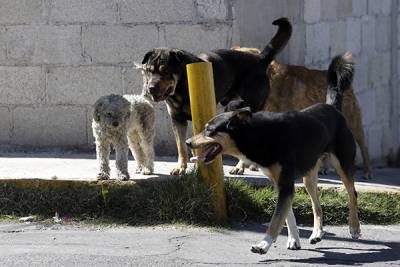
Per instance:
{"type": "Point", "coordinates": [115, 124]}
{"type": "Point", "coordinates": [152, 90]}
{"type": "Point", "coordinates": [189, 143]}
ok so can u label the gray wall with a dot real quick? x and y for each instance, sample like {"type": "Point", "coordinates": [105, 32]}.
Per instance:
{"type": "Point", "coordinates": [57, 57]}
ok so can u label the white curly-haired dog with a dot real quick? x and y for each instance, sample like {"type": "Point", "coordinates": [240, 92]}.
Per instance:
{"type": "Point", "coordinates": [124, 122]}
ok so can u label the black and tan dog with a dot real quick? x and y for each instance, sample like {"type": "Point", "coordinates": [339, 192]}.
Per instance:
{"type": "Point", "coordinates": [289, 145]}
{"type": "Point", "coordinates": [235, 73]}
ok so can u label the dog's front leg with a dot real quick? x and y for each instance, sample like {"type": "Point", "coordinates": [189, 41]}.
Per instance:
{"type": "Point", "coordinates": [121, 161]}
{"type": "Point", "coordinates": [179, 128]}
{"type": "Point", "coordinates": [103, 155]}
{"type": "Point", "coordinates": [285, 197]}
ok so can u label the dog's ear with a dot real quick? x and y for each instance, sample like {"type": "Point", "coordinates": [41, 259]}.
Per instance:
{"type": "Point", "coordinates": [239, 117]}
{"type": "Point", "coordinates": [98, 106]}
{"type": "Point", "coordinates": [147, 56]}
{"type": "Point", "coordinates": [177, 54]}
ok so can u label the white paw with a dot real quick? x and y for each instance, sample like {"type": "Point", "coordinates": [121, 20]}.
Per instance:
{"type": "Point", "coordinates": [316, 236]}
{"type": "Point", "coordinates": [293, 244]}
{"type": "Point", "coordinates": [178, 171]}
{"type": "Point", "coordinates": [138, 170]}
{"type": "Point", "coordinates": [102, 176]}
{"type": "Point", "coordinates": [263, 246]}
{"type": "Point", "coordinates": [146, 171]}
{"type": "Point", "coordinates": [237, 170]}
{"type": "Point", "coordinates": [123, 177]}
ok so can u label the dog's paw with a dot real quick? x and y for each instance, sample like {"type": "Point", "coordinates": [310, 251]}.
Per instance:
{"type": "Point", "coordinates": [146, 171]}
{"type": "Point", "coordinates": [293, 244]}
{"type": "Point", "coordinates": [123, 177]}
{"type": "Point", "coordinates": [102, 176]}
{"type": "Point", "coordinates": [237, 171]}
{"type": "Point", "coordinates": [355, 232]}
{"type": "Point", "coordinates": [178, 171]}
{"type": "Point", "coordinates": [316, 236]}
{"type": "Point", "coordinates": [368, 175]}
{"type": "Point", "coordinates": [138, 170]}
{"type": "Point", "coordinates": [263, 246]}
{"type": "Point", "coordinates": [253, 168]}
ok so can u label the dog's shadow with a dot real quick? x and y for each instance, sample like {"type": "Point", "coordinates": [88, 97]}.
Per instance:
{"type": "Point", "coordinates": [348, 255]}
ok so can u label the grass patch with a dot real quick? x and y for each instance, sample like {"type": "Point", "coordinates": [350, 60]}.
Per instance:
{"type": "Point", "coordinates": [180, 200]}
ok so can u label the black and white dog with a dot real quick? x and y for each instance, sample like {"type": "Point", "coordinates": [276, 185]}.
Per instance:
{"type": "Point", "coordinates": [289, 145]}
{"type": "Point", "coordinates": [236, 73]}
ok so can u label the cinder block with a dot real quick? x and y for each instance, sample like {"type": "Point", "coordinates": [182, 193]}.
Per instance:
{"type": "Point", "coordinates": [383, 32]}
{"type": "Point", "coordinates": [76, 11]}
{"type": "Point", "coordinates": [368, 35]}
{"type": "Point", "coordinates": [44, 44]}
{"type": "Point", "coordinates": [375, 135]}
{"type": "Point", "coordinates": [317, 42]}
{"type": "Point", "coordinates": [5, 125]}
{"type": "Point", "coordinates": [294, 11]}
{"type": "Point", "coordinates": [381, 7]}
{"type": "Point", "coordinates": [312, 11]}
{"type": "Point", "coordinates": [165, 144]}
{"type": "Point", "coordinates": [329, 9]}
{"type": "Point", "coordinates": [344, 8]}
{"type": "Point", "coordinates": [361, 74]}
{"type": "Point", "coordinates": [132, 81]}
{"type": "Point", "coordinates": [50, 126]}
{"type": "Point", "coordinates": [297, 45]}
{"type": "Point", "coordinates": [379, 70]}
{"type": "Point", "coordinates": [21, 85]}
{"type": "Point", "coordinates": [116, 44]}
{"type": "Point", "coordinates": [367, 103]}
{"type": "Point", "coordinates": [353, 38]}
{"type": "Point", "coordinates": [383, 103]}
{"type": "Point", "coordinates": [211, 9]}
{"type": "Point", "coordinates": [135, 11]}
{"type": "Point", "coordinates": [82, 85]}
{"type": "Point", "coordinates": [20, 11]}
{"type": "Point", "coordinates": [202, 37]}
{"type": "Point", "coordinates": [338, 33]}
{"type": "Point", "coordinates": [2, 44]}
{"type": "Point", "coordinates": [359, 7]}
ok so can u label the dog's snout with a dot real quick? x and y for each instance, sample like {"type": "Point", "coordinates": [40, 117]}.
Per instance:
{"type": "Point", "coordinates": [115, 124]}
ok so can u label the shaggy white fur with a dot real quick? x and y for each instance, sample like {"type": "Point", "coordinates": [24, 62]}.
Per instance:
{"type": "Point", "coordinates": [124, 122]}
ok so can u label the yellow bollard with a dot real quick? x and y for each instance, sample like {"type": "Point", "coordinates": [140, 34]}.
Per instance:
{"type": "Point", "coordinates": [203, 108]}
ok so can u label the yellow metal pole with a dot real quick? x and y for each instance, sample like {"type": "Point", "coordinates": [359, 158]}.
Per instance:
{"type": "Point", "coordinates": [203, 108]}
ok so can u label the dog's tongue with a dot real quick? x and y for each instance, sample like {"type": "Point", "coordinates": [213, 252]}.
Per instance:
{"type": "Point", "coordinates": [202, 156]}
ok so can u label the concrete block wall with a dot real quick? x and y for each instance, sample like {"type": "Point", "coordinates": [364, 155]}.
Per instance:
{"type": "Point", "coordinates": [57, 57]}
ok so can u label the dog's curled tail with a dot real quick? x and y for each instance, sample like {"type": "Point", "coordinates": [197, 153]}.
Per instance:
{"type": "Point", "coordinates": [340, 76]}
{"type": "Point", "coordinates": [279, 41]}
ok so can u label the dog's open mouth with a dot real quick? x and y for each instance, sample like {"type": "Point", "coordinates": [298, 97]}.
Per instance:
{"type": "Point", "coordinates": [209, 153]}
{"type": "Point", "coordinates": [161, 97]}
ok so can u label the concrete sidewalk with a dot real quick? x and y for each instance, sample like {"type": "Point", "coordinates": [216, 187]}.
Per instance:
{"type": "Point", "coordinates": [80, 166]}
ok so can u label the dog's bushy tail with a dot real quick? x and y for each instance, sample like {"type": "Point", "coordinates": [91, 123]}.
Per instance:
{"type": "Point", "coordinates": [279, 41]}
{"type": "Point", "coordinates": [340, 76]}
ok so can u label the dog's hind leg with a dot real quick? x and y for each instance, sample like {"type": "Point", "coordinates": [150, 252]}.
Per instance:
{"type": "Point", "coordinates": [348, 181]}
{"type": "Point", "coordinates": [136, 149]}
{"type": "Point", "coordinates": [311, 185]}
{"type": "Point", "coordinates": [147, 147]}
{"type": "Point", "coordinates": [103, 158]}
{"type": "Point", "coordinates": [121, 161]}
